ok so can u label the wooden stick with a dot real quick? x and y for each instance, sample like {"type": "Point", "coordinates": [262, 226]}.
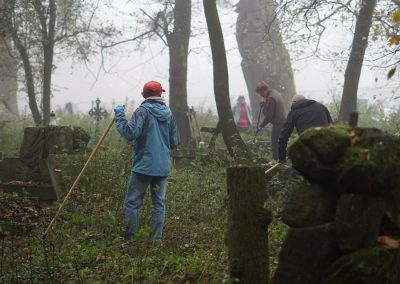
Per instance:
{"type": "Point", "coordinates": [79, 176]}
{"type": "Point", "coordinates": [272, 168]}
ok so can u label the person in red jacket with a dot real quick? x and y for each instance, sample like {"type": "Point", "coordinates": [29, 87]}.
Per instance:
{"type": "Point", "coordinates": [273, 107]}
{"type": "Point", "coordinates": [242, 114]}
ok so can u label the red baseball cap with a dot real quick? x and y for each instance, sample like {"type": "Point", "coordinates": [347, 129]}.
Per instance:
{"type": "Point", "coordinates": [153, 86]}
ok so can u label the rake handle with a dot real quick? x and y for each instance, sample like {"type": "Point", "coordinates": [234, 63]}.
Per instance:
{"type": "Point", "coordinates": [79, 176]}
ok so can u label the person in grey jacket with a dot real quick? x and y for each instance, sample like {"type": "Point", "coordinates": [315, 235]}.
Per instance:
{"type": "Point", "coordinates": [154, 132]}
{"type": "Point", "coordinates": [273, 107]}
{"type": "Point", "coordinates": [304, 114]}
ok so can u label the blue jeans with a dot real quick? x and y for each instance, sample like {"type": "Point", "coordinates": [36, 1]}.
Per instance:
{"type": "Point", "coordinates": [275, 132]}
{"type": "Point", "coordinates": [138, 184]}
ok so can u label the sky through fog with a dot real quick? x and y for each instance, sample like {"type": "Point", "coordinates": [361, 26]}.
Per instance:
{"type": "Point", "coordinates": [126, 75]}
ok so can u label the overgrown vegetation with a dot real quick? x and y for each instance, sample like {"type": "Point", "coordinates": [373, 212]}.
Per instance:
{"type": "Point", "coordinates": [85, 244]}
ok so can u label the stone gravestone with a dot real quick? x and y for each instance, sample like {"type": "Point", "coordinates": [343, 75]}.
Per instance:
{"type": "Point", "coordinates": [32, 173]}
{"type": "Point", "coordinates": [352, 202]}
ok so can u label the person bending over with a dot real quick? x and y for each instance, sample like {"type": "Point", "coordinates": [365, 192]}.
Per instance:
{"type": "Point", "coordinates": [303, 114]}
{"type": "Point", "coordinates": [272, 105]}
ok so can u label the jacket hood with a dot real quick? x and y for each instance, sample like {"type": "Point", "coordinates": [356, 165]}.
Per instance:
{"type": "Point", "coordinates": [159, 110]}
{"type": "Point", "coordinates": [302, 104]}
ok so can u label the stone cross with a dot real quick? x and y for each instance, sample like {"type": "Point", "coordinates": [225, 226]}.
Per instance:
{"type": "Point", "coordinates": [97, 111]}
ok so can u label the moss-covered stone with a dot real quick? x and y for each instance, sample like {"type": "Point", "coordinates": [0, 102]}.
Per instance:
{"type": "Point", "coordinates": [391, 218]}
{"type": "Point", "coordinates": [358, 219]}
{"type": "Point", "coordinates": [375, 265]}
{"type": "Point", "coordinates": [361, 165]}
{"type": "Point", "coordinates": [370, 168]}
{"type": "Point", "coordinates": [309, 205]}
{"type": "Point", "coordinates": [328, 143]}
{"type": "Point", "coordinates": [306, 254]}
{"type": "Point", "coordinates": [317, 150]}
{"type": "Point", "coordinates": [371, 136]}
{"type": "Point", "coordinates": [80, 138]}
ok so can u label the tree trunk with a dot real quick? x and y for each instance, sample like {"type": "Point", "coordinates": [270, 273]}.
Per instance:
{"type": "Point", "coordinates": [8, 80]}
{"type": "Point", "coordinates": [233, 141]}
{"type": "Point", "coordinates": [264, 56]}
{"type": "Point", "coordinates": [8, 21]}
{"type": "Point", "coordinates": [353, 70]}
{"type": "Point", "coordinates": [48, 38]}
{"type": "Point", "coordinates": [29, 80]}
{"type": "Point", "coordinates": [8, 72]}
{"type": "Point", "coordinates": [178, 42]}
{"type": "Point", "coordinates": [248, 220]}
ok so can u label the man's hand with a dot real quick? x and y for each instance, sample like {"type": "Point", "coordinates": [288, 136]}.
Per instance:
{"type": "Point", "coordinates": [388, 242]}
{"type": "Point", "coordinates": [119, 109]}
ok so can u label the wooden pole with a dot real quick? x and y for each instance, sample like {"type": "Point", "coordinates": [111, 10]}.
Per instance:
{"type": "Point", "coordinates": [353, 119]}
{"type": "Point", "coordinates": [248, 220]}
{"type": "Point", "coordinates": [79, 177]}
{"type": "Point", "coordinates": [272, 168]}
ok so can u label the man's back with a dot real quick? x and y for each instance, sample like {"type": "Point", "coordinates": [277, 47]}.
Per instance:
{"type": "Point", "coordinates": [304, 114]}
{"type": "Point", "coordinates": [309, 113]}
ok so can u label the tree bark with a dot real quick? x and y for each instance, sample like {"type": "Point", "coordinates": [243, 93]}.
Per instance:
{"type": "Point", "coordinates": [233, 141]}
{"type": "Point", "coordinates": [48, 24]}
{"type": "Point", "coordinates": [178, 43]}
{"type": "Point", "coordinates": [29, 80]}
{"type": "Point", "coordinates": [8, 79]}
{"type": "Point", "coordinates": [12, 31]}
{"type": "Point", "coordinates": [353, 70]}
{"type": "Point", "coordinates": [248, 220]}
{"type": "Point", "coordinates": [264, 56]}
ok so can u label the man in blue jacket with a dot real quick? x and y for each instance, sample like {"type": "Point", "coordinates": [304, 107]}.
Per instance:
{"type": "Point", "coordinates": [153, 130]}
{"type": "Point", "coordinates": [304, 114]}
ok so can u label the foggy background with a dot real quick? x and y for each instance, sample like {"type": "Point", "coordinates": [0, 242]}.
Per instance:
{"type": "Point", "coordinates": [126, 71]}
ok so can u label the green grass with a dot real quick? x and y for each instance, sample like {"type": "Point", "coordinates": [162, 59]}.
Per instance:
{"type": "Point", "coordinates": [84, 246]}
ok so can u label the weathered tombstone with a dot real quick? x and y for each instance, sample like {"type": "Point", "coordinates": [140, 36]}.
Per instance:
{"type": "Point", "coordinates": [32, 173]}
{"type": "Point", "coordinates": [248, 220]}
{"type": "Point", "coordinates": [69, 109]}
{"type": "Point", "coordinates": [306, 254]}
{"type": "Point", "coordinates": [365, 175]}
{"type": "Point", "coordinates": [376, 265]}
{"type": "Point", "coordinates": [315, 153]}
{"type": "Point", "coordinates": [309, 205]}
{"type": "Point", "coordinates": [358, 219]}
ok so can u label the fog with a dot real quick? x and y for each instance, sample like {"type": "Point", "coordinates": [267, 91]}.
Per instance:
{"type": "Point", "coordinates": [128, 71]}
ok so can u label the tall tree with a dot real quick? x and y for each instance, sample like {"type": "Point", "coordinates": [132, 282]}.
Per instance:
{"type": "Point", "coordinates": [232, 139]}
{"type": "Point", "coordinates": [264, 55]}
{"type": "Point", "coordinates": [354, 65]}
{"type": "Point", "coordinates": [8, 81]}
{"type": "Point", "coordinates": [178, 43]}
{"type": "Point", "coordinates": [36, 28]}
{"type": "Point", "coordinates": [306, 24]}
{"type": "Point", "coordinates": [172, 25]}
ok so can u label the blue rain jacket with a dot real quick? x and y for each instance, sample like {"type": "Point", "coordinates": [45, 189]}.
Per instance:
{"type": "Point", "coordinates": [154, 132]}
